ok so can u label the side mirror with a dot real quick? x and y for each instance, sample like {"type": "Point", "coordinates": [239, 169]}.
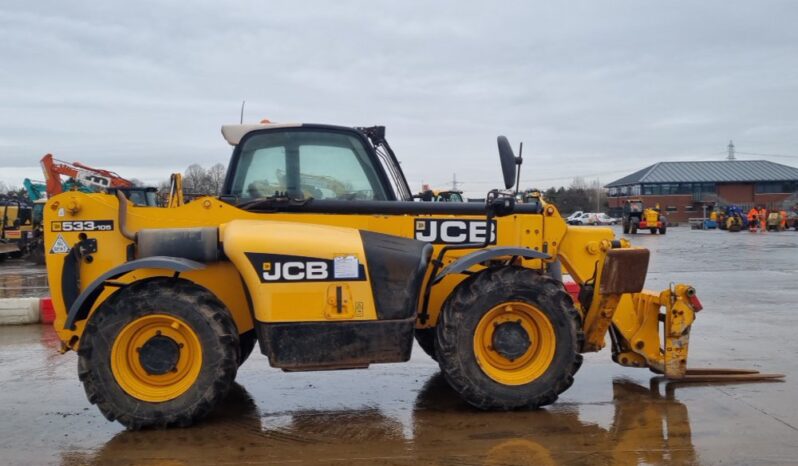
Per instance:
{"type": "Point", "coordinates": [508, 161]}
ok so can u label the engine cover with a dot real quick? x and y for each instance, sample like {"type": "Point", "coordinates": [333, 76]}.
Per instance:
{"type": "Point", "coordinates": [307, 273]}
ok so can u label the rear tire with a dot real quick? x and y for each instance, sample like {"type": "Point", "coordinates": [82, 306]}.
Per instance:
{"type": "Point", "coordinates": [426, 340]}
{"type": "Point", "coordinates": [633, 229]}
{"type": "Point", "coordinates": [133, 339]}
{"type": "Point", "coordinates": [509, 376]}
{"type": "Point", "coordinates": [663, 229]}
{"type": "Point", "coordinates": [653, 231]}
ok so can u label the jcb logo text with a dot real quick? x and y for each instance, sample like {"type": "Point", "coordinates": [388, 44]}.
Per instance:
{"type": "Point", "coordinates": [284, 268]}
{"type": "Point", "coordinates": [438, 231]}
{"type": "Point", "coordinates": [295, 271]}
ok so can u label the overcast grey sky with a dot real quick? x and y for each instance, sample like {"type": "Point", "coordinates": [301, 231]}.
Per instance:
{"type": "Point", "coordinates": [593, 88]}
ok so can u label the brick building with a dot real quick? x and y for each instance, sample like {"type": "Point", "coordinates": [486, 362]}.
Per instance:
{"type": "Point", "coordinates": [682, 189]}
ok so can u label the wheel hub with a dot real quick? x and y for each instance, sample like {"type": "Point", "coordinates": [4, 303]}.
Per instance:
{"type": "Point", "coordinates": [511, 340]}
{"type": "Point", "coordinates": [514, 343]}
{"type": "Point", "coordinates": [159, 355]}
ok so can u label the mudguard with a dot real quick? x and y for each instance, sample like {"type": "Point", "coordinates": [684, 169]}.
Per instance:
{"type": "Point", "coordinates": [482, 255]}
{"type": "Point", "coordinates": [79, 309]}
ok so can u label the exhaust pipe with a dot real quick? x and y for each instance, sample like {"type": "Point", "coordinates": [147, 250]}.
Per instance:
{"type": "Point", "coordinates": [120, 196]}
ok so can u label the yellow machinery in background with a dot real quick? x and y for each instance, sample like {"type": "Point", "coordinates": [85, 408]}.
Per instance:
{"type": "Point", "coordinates": [316, 252]}
{"type": "Point", "coordinates": [16, 227]}
{"type": "Point", "coordinates": [636, 217]}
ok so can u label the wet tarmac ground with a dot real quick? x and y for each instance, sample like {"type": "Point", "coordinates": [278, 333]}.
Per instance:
{"type": "Point", "coordinates": [406, 414]}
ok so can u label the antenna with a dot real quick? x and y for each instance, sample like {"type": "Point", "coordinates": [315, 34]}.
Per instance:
{"type": "Point", "coordinates": [731, 150]}
{"type": "Point", "coordinates": [518, 161]}
{"type": "Point", "coordinates": [241, 120]}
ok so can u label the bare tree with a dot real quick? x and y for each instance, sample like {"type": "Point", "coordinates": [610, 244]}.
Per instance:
{"type": "Point", "coordinates": [579, 183]}
{"type": "Point", "coordinates": [216, 178]}
{"type": "Point", "coordinates": [598, 196]}
{"type": "Point", "coordinates": [195, 180]}
{"type": "Point", "coordinates": [199, 181]}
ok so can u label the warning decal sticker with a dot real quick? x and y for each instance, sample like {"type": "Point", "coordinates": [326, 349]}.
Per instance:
{"type": "Point", "coordinates": [60, 246]}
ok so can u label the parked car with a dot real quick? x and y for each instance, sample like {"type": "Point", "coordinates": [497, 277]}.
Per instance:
{"type": "Point", "coordinates": [574, 216]}
{"type": "Point", "coordinates": [586, 218]}
{"type": "Point", "coordinates": [604, 219]}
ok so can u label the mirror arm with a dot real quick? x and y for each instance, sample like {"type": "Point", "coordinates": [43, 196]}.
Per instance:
{"type": "Point", "coordinates": [518, 161]}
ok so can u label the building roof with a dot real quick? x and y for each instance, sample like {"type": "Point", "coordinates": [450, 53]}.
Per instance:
{"type": "Point", "coordinates": [720, 171]}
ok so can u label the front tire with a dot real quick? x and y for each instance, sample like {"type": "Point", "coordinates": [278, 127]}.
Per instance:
{"type": "Point", "coordinates": [159, 353]}
{"type": "Point", "coordinates": [509, 338]}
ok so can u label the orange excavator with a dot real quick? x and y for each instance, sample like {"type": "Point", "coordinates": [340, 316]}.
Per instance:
{"type": "Point", "coordinates": [85, 178]}
{"type": "Point", "coordinates": [96, 178]}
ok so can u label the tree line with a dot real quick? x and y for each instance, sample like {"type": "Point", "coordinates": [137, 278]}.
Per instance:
{"type": "Point", "coordinates": [580, 195]}
{"type": "Point", "coordinates": [198, 181]}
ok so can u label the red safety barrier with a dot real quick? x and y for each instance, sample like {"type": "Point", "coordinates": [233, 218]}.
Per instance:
{"type": "Point", "coordinates": [573, 289]}
{"type": "Point", "coordinates": [46, 310]}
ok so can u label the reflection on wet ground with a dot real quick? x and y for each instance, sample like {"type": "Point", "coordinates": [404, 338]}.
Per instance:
{"type": "Point", "coordinates": [21, 279]}
{"type": "Point", "coordinates": [645, 428]}
{"type": "Point", "coordinates": [407, 414]}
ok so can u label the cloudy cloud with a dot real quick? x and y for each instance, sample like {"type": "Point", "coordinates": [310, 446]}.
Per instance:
{"type": "Point", "coordinates": [594, 89]}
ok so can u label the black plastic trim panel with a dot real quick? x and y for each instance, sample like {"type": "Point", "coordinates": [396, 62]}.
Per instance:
{"type": "Point", "coordinates": [396, 269]}
{"type": "Point", "coordinates": [335, 345]}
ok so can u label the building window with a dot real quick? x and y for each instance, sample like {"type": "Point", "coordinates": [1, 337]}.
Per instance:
{"type": "Point", "coordinates": [613, 192]}
{"type": "Point", "coordinates": [667, 189]}
{"type": "Point", "coordinates": [652, 189]}
{"type": "Point", "coordinates": [635, 191]}
{"type": "Point", "coordinates": [672, 208]}
{"type": "Point", "coordinates": [776, 187]}
{"type": "Point", "coordinates": [689, 208]}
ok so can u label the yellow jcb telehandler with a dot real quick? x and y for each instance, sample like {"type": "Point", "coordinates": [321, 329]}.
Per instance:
{"type": "Point", "coordinates": [163, 305]}
{"type": "Point", "coordinates": [636, 217]}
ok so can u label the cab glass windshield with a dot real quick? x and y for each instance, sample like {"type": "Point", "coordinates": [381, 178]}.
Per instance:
{"type": "Point", "coordinates": [306, 164]}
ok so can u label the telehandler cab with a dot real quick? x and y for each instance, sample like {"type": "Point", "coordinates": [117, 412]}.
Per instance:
{"type": "Point", "coordinates": [316, 252]}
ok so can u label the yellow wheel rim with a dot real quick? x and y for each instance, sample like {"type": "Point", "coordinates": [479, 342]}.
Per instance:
{"type": "Point", "coordinates": [169, 381]}
{"type": "Point", "coordinates": [526, 362]}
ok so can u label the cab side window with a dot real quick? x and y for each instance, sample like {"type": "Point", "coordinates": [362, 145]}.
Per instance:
{"type": "Point", "coordinates": [306, 164]}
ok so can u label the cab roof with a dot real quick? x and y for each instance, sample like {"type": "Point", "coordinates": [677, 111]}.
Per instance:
{"type": "Point", "coordinates": [233, 133]}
